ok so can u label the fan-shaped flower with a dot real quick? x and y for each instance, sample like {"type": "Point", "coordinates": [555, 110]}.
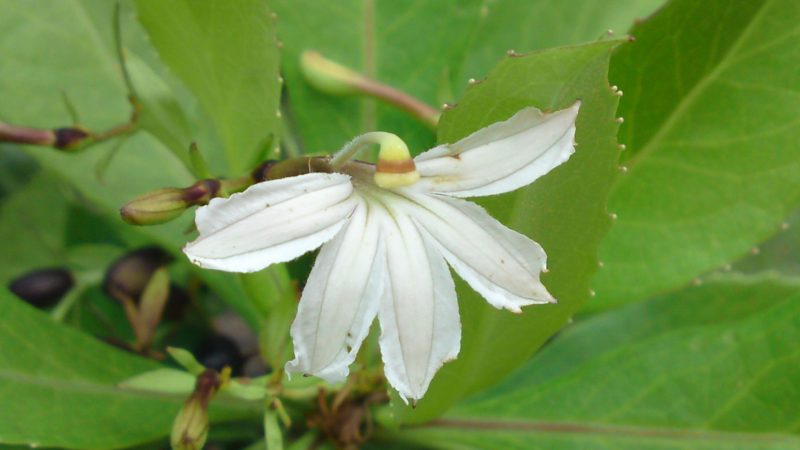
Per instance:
{"type": "Point", "coordinates": [387, 233]}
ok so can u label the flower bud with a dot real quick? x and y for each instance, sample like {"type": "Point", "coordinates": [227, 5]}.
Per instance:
{"type": "Point", "coordinates": [190, 428]}
{"type": "Point", "coordinates": [327, 76]}
{"type": "Point", "coordinates": [42, 288]}
{"type": "Point", "coordinates": [218, 352]}
{"type": "Point", "coordinates": [128, 276]}
{"type": "Point", "coordinates": [163, 205]}
{"type": "Point", "coordinates": [71, 138]}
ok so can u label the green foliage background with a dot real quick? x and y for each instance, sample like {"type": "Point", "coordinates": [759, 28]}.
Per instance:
{"type": "Point", "coordinates": [675, 261]}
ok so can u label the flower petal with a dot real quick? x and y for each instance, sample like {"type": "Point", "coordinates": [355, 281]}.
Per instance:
{"type": "Point", "coordinates": [499, 263]}
{"type": "Point", "coordinates": [501, 157]}
{"type": "Point", "coordinates": [420, 327]}
{"type": "Point", "coordinates": [271, 222]}
{"type": "Point", "coordinates": [340, 300]}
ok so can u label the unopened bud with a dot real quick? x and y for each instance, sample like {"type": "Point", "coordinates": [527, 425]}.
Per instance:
{"type": "Point", "coordinates": [42, 288]}
{"type": "Point", "coordinates": [164, 205]}
{"type": "Point", "coordinates": [71, 138]}
{"type": "Point", "coordinates": [128, 276]}
{"type": "Point", "coordinates": [327, 76]}
{"type": "Point", "coordinates": [218, 352]}
{"type": "Point", "coordinates": [67, 138]}
{"type": "Point", "coordinates": [190, 428]}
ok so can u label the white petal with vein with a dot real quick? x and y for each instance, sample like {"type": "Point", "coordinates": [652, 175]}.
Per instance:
{"type": "Point", "coordinates": [420, 327]}
{"type": "Point", "coordinates": [271, 222]}
{"type": "Point", "coordinates": [499, 263]}
{"type": "Point", "coordinates": [501, 157]}
{"type": "Point", "coordinates": [340, 300]}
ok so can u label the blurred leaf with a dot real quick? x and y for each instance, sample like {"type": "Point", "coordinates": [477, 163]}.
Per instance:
{"type": "Point", "coordinates": [36, 215]}
{"type": "Point", "coordinates": [161, 114]}
{"type": "Point", "coordinates": [779, 253]}
{"type": "Point", "coordinates": [226, 54]}
{"type": "Point", "coordinates": [186, 359]}
{"type": "Point", "coordinates": [65, 395]}
{"type": "Point", "coordinates": [275, 294]}
{"type": "Point", "coordinates": [711, 127]}
{"type": "Point", "coordinates": [416, 50]}
{"type": "Point", "coordinates": [169, 381]}
{"type": "Point", "coordinates": [669, 373]}
{"type": "Point", "coordinates": [564, 211]}
{"type": "Point", "coordinates": [67, 46]}
{"type": "Point", "coordinates": [16, 168]}
{"type": "Point", "coordinates": [151, 306]}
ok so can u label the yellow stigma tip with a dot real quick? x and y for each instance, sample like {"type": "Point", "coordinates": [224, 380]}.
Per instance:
{"type": "Point", "coordinates": [394, 153]}
{"type": "Point", "coordinates": [393, 180]}
{"type": "Point", "coordinates": [393, 149]}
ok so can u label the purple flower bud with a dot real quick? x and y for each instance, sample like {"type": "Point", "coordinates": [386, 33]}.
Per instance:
{"type": "Point", "coordinates": [128, 275]}
{"type": "Point", "coordinates": [70, 138]}
{"type": "Point", "coordinates": [166, 204]}
{"type": "Point", "coordinates": [42, 288]}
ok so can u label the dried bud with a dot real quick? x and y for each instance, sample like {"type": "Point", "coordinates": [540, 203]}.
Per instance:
{"type": "Point", "coordinates": [70, 138]}
{"type": "Point", "coordinates": [42, 288]}
{"type": "Point", "coordinates": [128, 276]}
{"type": "Point", "coordinates": [163, 205]}
{"type": "Point", "coordinates": [261, 173]}
{"type": "Point", "coordinates": [327, 76]}
{"type": "Point", "coordinates": [190, 428]}
{"type": "Point", "coordinates": [218, 352]}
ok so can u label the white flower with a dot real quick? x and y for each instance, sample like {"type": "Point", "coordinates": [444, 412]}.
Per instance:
{"type": "Point", "coordinates": [387, 233]}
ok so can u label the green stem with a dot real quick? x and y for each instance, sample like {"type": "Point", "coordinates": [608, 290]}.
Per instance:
{"type": "Point", "coordinates": [82, 282]}
{"type": "Point", "coordinates": [361, 142]}
{"type": "Point", "coordinates": [65, 305]}
{"type": "Point", "coordinates": [272, 431]}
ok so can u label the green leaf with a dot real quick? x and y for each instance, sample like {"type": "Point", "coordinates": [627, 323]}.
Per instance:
{"type": "Point", "coordinates": [161, 114]}
{"type": "Point", "coordinates": [36, 215]}
{"type": "Point", "coordinates": [416, 50]}
{"type": "Point", "coordinates": [720, 299]}
{"type": "Point", "coordinates": [711, 128]}
{"type": "Point", "coordinates": [226, 54]}
{"type": "Point", "coordinates": [169, 381]}
{"type": "Point", "coordinates": [711, 367]}
{"type": "Point", "coordinates": [541, 24]}
{"type": "Point", "coordinates": [564, 211]}
{"type": "Point", "coordinates": [779, 253]}
{"type": "Point", "coordinates": [74, 52]}
{"type": "Point", "coordinates": [66, 395]}
{"type": "Point", "coordinates": [251, 389]}
{"type": "Point", "coordinates": [186, 360]}
{"type": "Point", "coordinates": [275, 294]}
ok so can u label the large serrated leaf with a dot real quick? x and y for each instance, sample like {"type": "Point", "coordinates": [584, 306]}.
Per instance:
{"type": "Point", "coordinates": [711, 367]}
{"type": "Point", "coordinates": [429, 49]}
{"type": "Point", "coordinates": [564, 211]}
{"type": "Point", "coordinates": [58, 388]}
{"type": "Point", "coordinates": [710, 108]}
